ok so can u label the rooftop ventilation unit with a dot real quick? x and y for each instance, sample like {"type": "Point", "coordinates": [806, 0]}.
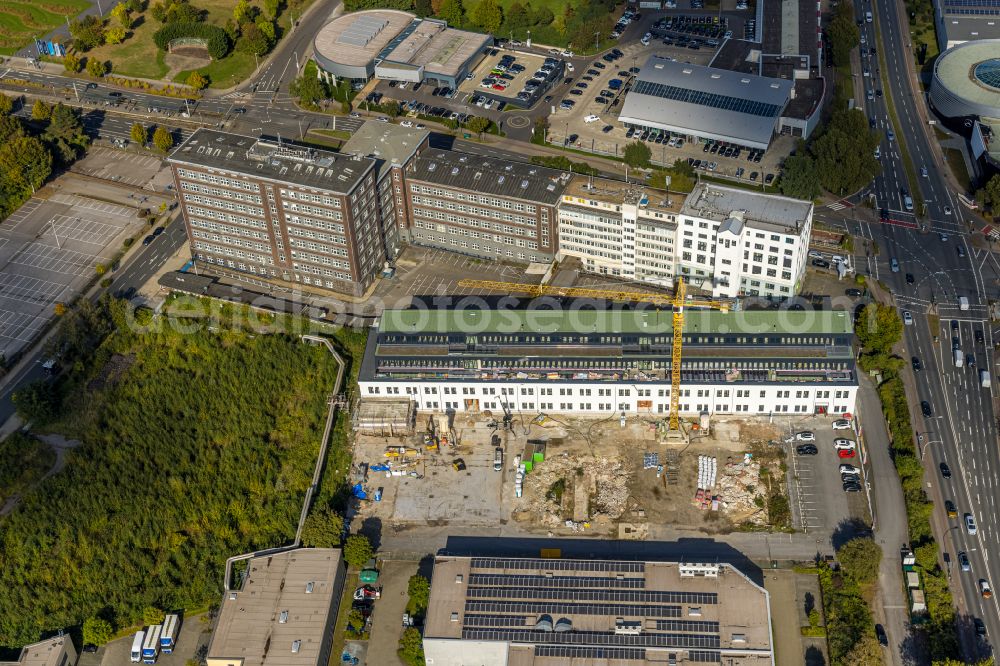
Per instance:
{"type": "Point", "coordinates": [295, 646]}
{"type": "Point", "coordinates": [544, 623]}
{"type": "Point", "coordinates": [283, 617]}
{"type": "Point", "coordinates": [454, 171]}
{"type": "Point", "coordinates": [563, 625]}
{"type": "Point", "coordinates": [309, 587]}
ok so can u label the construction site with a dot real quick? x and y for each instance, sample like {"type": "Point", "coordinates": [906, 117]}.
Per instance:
{"type": "Point", "coordinates": [572, 475]}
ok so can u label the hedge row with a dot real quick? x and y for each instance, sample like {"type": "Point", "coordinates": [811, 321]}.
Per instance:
{"type": "Point", "coordinates": [940, 608]}
{"type": "Point", "coordinates": [216, 38]}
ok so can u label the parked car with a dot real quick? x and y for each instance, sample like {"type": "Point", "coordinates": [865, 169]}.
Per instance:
{"type": "Point", "coordinates": [856, 293]}
{"type": "Point", "coordinates": [843, 444]}
{"type": "Point", "coordinates": [807, 450]}
{"type": "Point", "coordinates": [850, 469]}
{"type": "Point", "coordinates": [880, 634]}
{"type": "Point", "coordinates": [805, 436]}
{"type": "Point", "coordinates": [841, 424]}
{"type": "Point", "coordinates": [846, 453]}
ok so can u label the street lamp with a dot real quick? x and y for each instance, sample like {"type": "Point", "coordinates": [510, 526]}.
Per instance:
{"type": "Point", "coordinates": [597, 40]}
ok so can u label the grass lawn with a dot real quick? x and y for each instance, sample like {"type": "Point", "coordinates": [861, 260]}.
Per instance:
{"type": "Point", "coordinates": [23, 20]}
{"type": "Point", "coordinates": [224, 73]}
{"type": "Point", "coordinates": [957, 164]}
{"type": "Point", "coordinates": [136, 56]}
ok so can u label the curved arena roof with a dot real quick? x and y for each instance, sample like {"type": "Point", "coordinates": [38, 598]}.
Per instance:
{"type": "Point", "coordinates": [349, 44]}
{"type": "Point", "coordinates": [967, 80]}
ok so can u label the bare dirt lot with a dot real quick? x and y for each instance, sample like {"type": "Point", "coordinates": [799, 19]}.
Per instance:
{"type": "Point", "coordinates": [580, 476]}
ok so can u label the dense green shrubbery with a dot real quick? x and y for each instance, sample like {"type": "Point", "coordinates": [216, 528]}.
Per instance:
{"type": "Point", "coordinates": [216, 38]}
{"type": "Point", "coordinates": [196, 446]}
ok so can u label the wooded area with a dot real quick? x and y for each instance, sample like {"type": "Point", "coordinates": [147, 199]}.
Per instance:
{"type": "Point", "coordinates": [197, 446]}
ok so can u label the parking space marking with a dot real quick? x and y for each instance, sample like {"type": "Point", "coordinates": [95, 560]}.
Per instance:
{"type": "Point", "coordinates": [90, 204]}
{"type": "Point", "coordinates": [19, 326]}
{"type": "Point", "coordinates": [50, 257]}
{"type": "Point", "coordinates": [85, 231]}
{"type": "Point", "coordinates": [29, 289]}
{"type": "Point", "coordinates": [22, 213]}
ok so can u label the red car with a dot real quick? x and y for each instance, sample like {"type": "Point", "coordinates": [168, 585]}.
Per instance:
{"type": "Point", "coordinates": [499, 86]}
{"type": "Point", "coordinates": [846, 453]}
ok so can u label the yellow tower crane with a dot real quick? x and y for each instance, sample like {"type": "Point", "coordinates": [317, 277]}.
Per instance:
{"type": "Point", "coordinates": [677, 302]}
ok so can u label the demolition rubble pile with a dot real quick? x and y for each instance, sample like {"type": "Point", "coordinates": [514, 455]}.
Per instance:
{"type": "Point", "coordinates": [738, 486]}
{"type": "Point", "coordinates": [600, 483]}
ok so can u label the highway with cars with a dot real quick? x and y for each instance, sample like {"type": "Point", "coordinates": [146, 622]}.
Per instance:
{"type": "Point", "coordinates": [926, 257]}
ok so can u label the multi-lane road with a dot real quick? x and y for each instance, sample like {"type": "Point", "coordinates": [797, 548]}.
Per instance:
{"type": "Point", "coordinates": [937, 263]}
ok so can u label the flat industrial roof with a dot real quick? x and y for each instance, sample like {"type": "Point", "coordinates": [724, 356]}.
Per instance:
{"type": "Point", "coordinates": [357, 38]}
{"type": "Point", "coordinates": [437, 48]}
{"type": "Point", "coordinates": [966, 71]}
{"type": "Point", "coordinates": [388, 143]}
{"type": "Point", "coordinates": [516, 180]}
{"type": "Point", "coordinates": [617, 192]}
{"type": "Point", "coordinates": [706, 101]}
{"type": "Point", "coordinates": [49, 652]}
{"type": "Point", "coordinates": [251, 630]}
{"type": "Point", "coordinates": [963, 28]}
{"type": "Point", "coordinates": [768, 212]}
{"type": "Point", "coordinates": [575, 609]}
{"type": "Point", "coordinates": [504, 321]}
{"type": "Point", "coordinates": [269, 160]}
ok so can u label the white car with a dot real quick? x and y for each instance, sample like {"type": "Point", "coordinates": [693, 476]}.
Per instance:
{"type": "Point", "coordinates": [805, 436]}
{"type": "Point", "coordinates": [383, 119]}
{"type": "Point", "coordinates": [488, 104]}
{"type": "Point", "coordinates": [815, 254]}
{"type": "Point", "coordinates": [406, 123]}
{"type": "Point", "coordinates": [554, 51]}
{"type": "Point", "coordinates": [907, 318]}
{"type": "Point", "coordinates": [850, 469]}
{"type": "Point", "coordinates": [591, 119]}
{"type": "Point", "coordinates": [569, 67]}
{"type": "Point", "coordinates": [355, 114]}
{"type": "Point", "coordinates": [841, 424]}
{"type": "Point", "coordinates": [843, 444]}
{"type": "Point", "coordinates": [566, 54]}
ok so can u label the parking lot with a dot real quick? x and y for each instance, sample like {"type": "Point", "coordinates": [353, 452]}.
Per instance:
{"type": "Point", "coordinates": [48, 251]}
{"type": "Point", "coordinates": [192, 643]}
{"type": "Point", "coordinates": [129, 168]}
{"type": "Point", "coordinates": [521, 68]}
{"type": "Point", "coordinates": [819, 501]}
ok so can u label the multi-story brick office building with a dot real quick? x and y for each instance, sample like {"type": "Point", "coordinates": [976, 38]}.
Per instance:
{"type": "Point", "coordinates": [280, 212]}
{"type": "Point", "coordinates": [487, 208]}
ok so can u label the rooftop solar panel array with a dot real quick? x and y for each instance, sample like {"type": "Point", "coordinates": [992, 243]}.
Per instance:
{"type": "Point", "coordinates": [705, 657]}
{"type": "Point", "coordinates": [632, 596]}
{"type": "Point", "coordinates": [504, 580]}
{"type": "Point", "coordinates": [557, 565]}
{"type": "Point", "coordinates": [362, 30]}
{"type": "Point", "coordinates": [494, 621]}
{"type": "Point", "coordinates": [525, 607]}
{"type": "Point", "coordinates": [595, 638]}
{"type": "Point", "coordinates": [687, 625]}
{"type": "Point", "coordinates": [571, 652]}
{"type": "Point", "coordinates": [712, 100]}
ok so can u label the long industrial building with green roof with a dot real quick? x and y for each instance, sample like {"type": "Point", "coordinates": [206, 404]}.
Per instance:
{"type": "Point", "coordinates": [612, 361]}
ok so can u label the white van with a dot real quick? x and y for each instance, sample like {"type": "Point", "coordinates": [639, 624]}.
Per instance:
{"type": "Point", "coordinates": [984, 378]}
{"type": "Point", "coordinates": [137, 641]}
{"type": "Point", "coordinates": [963, 303]}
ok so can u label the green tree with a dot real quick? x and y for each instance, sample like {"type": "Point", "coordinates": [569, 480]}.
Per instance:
{"type": "Point", "coordinates": [135, 6]}
{"type": "Point", "coordinates": [243, 12]}
{"type": "Point", "coordinates": [989, 195]}
{"type": "Point", "coordinates": [197, 80]}
{"type": "Point", "coordinates": [96, 68]}
{"type": "Point", "coordinates": [120, 13]}
{"type": "Point", "coordinates": [308, 87]}
{"type": "Point", "coordinates": [72, 62]}
{"type": "Point", "coordinates": [271, 8]}
{"type": "Point", "coordinates": [843, 33]}
{"type": "Point", "coordinates": [517, 16]}
{"type": "Point", "coordinates": [115, 35]}
{"type": "Point", "coordinates": [25, 163]}
{"type": "Point", "coordinates": [488, 16]}
{"type": "Point", "coordinates": [423, 8]}
{"type": "Point", "coordinates": [477, 124]}
{"type": "Point", "coordinates": [452, 11]}
{"type": "Point", "coordinates": [266, 28]}
{"type": "Point", "coordinates": [799, 177]}
{"type": "Point", "coordinates": [357, 550]}
{"type": "Point", "coordinates": [37, 402]}
{"type": "Point", "coordinates": [139, 134]}
{"type": "Point", "coordinates": [40, 111]}
{"type": "Point", "coordinates": [97, 631]}
{"type": "Point", "coordinates": [162, 139]}
{"type": "Point", "coordinates": [845, 152]}
{"type": "Point", "coordinates": [10, 126]}
{"type": "Point", "coordinates": [860, 558]}
{"type": "Point", "coordinates": [637, 155]}
{"type": "Point", "coordinates": [355, 621]}
{"type": "Point", "coordinates": [6, 105]}
{"type": "Point", "coordinates": [814, 618]}
{"type": "Point", "coordinates": [418, 589]}
{"type": "Point", "coordinates": [65, 133]}
{"type": "Point", "coordinates": [878, 328]}
{"type": "Point", "coordinates": [323, 528]}
{"type": "Point", "coordinates": [152, 615]}
{"type": "Point", "coordinates": [252, 40]}
{"type": "Point", "coordinates": [411, 647]}
{"type": "Point", "coordinates": [87, 32]}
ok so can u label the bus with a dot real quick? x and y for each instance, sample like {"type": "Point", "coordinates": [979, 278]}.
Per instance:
{"type": "Point", "coordinates": [137, 642]}
{"type": "Point", "coordinates": [169, 635]}
{"type": "Point", "coordinates": [151, 646]}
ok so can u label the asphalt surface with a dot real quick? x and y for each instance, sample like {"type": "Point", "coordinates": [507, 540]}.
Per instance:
{"type": "Point", "coordinates": [962, 429]}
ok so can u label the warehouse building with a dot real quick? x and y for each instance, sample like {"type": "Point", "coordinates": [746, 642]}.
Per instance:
{"type": "Point", "coordinates": [966, 81]}
{"type": "Point", "coordinates": [494, 611]}
{"type": "Point", "coordinates": [701, 103]}
{"type": "Point", "coordinates": [257, 209]}
{"type": "Point", "coordinates": [961, 21]}
{"type": "Point", "coordinates": [395, 45]}
{"type": "Point", "coordinates": [584, 358]}
{"type": "Point", "coordinates": [488, 208]}
{"type": "Point", "coordinates": [284, 612]}
{"type": "Point", "coordinates": [726, 241]}
{"type": "Point", "coordinates": [55, 651]}
{"type": "Point", "coordinates": [393, 148]}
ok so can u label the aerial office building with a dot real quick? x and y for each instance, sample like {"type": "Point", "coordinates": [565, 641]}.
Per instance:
{"type": "Point", "coordinates": [280, 212]}
{"type": "Point", "coordinates": [283, 613]}
{"type": "Point", "coordinates": [961, 21]}
{"type": "Point", "coordinates": [487, 208]}
{"type": "Point", "coordinates": [966, 81]}
{"type": "Point", "coordinates": [585, 358]}
{"type": "Point", "coordinates": [493, 611]}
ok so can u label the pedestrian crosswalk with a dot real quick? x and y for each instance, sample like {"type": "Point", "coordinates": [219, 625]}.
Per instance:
{"type": "Point", "coordinates": [836, 205]}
